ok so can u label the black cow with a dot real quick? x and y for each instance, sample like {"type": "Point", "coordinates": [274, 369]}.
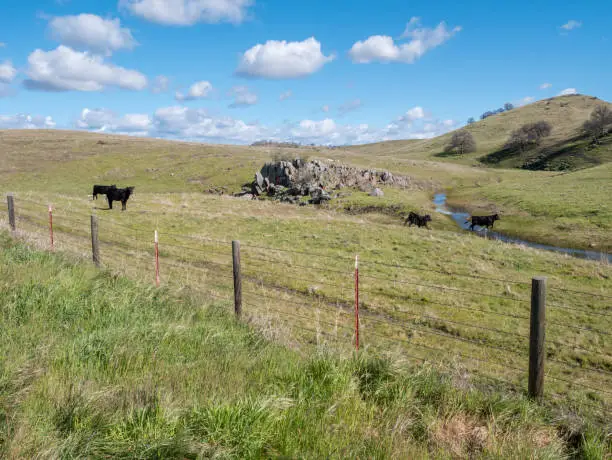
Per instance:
{"type": "Point", "coordinates": [119, 194]}
{"type": "Point", "coordinates": [415, 219]}
{"type": "Point", "coordinates": [483, 221]}
{"type": "Point", "coordinates": [102, 190]}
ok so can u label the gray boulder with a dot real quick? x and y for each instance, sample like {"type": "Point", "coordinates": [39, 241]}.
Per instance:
{"type": "Point", "coordinates": [377, 192]}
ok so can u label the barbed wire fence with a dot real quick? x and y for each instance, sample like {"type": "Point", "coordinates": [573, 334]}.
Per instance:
{"type": "Point", "coordinates": [516, 333]}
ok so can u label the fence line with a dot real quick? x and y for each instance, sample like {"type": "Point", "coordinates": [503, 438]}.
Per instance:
{"type": "Point", "coordinates": [368, 322]}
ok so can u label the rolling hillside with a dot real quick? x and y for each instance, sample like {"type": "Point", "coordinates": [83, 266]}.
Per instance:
{"type": "Point", "coordinates": [565, 149]}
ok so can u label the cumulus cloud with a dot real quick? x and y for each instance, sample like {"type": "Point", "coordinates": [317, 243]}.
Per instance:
{"type": "Point", "coordinates": [415, 113]}
{"type": "Point", "coordinates": [545, 85]}
{"type": "Point", "coordinates": [65, 69]}
{"type": "Point", "coordinates": [198, 124]}
{"type": "Point", "coordinates": [571, 25]}
{"type": "Point", "coordinates": [160, 84]}
{"type": "Point", "coordinates": [189, 12]}
{"type": "Point", "coordinates": [568, 92]}
{"type": "Point", "coordinates": [282, 59]}
{"type": "Point", "coordinates": [180, 122]}
{"type": "Point", "coordinates": [104, 120]}
{"type": "Point", "coordinates": [199, 90]}
{"type": "Point", "coordinates": [349, 106]}
{"type": "Point", "coordinates": [382, 48]}
{"type": "Point", "coordinates": [243, 97]}
{"type": "Point", "coordinates": [26, 121]}
{"type": "Point", "coordinates": [286, 95]}
{"type": "Point", "coordinates": [91, 33]}
{"type": "Point", "coordinates": [7, 72]}
{"type": "Point", "coordinates": [526, 100]}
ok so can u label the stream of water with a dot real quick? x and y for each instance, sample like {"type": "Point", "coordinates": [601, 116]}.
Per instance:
{"type": "Point", "coordinates": [460, 219]}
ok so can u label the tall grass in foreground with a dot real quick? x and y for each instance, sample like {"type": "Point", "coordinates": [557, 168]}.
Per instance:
{"type": "Point", "coordinates": [94, 365]}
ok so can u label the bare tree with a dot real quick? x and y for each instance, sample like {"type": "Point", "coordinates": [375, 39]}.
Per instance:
{"type": "Point", "coordinates": [599, 122]}
{"type": "Point", "coordinates": [461, 142]}
{"type": "Point", "coordinates": [528, 135]}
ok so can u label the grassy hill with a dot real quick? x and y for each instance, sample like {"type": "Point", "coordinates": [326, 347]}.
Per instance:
{"type": "Point", "coordinates": [438, 296]}
{"type": "Point", "coordinates": [572, 211]}
{"type": "Point", "coordinates": [565, 149]}
{"type": "Point", "coordinates": [93, 365]}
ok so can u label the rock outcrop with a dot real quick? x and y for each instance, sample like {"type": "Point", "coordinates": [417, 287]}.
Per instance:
{"type": "Point", "coordinates": [289, 181]}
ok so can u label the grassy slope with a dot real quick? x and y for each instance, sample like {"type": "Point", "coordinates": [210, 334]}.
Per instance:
{"type": "Point", "coordinates": [566, 114]}
{"type": "Point", "coordinates": [94, 365]}
{"type": "Point", "coordinates": [563, 209]}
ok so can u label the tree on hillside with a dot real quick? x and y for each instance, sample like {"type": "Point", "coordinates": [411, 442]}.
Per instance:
{"type": "Point", "coordinates": [528, 135]}
{"type": "Point", "coordinates": [461, 142]}
{"type": "Point", "coordinates": [471, 120]}
{"type": "Point", "coordinates": [508, 106]}
{"type": "Point", "coordinates": [599, 122]}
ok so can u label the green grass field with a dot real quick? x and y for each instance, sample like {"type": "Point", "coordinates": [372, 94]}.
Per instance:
{"type": "Point", "coordinates": [94, 365]}
{"type": "Point", "coordinates": [436, 296]}
{"type": "Point", "coordinates": [543, 206]}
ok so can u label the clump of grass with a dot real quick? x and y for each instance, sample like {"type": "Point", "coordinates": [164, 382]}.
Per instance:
{"type": "Point", "coordinates": [95, 365]}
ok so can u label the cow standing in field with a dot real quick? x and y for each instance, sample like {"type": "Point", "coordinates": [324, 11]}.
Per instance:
{"type": "Point", "coordinates": [415, 219]}
{"type": "Point", "coordinates": [102, 190]}
{"type": "Point", "coordinates": [119, 194]}
{"type": "Point", "coordinates": [483, 221]}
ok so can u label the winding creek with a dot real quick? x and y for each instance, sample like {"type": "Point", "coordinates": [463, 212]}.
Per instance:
{"type": "Point", "coordinates": [460, 219]}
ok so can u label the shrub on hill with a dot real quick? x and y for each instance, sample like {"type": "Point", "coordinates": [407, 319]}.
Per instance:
{"type": "Point", "coordinates": [528, 135]}
{"type": "Point", "coordinates": [599, 123]}
{"type": "Point", "coordinates": [461, 142]}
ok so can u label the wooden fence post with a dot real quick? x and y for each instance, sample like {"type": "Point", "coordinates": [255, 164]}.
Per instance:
{"type": "Point", "coordinates": [11, 211]}
{"type": "Point", "coordinates": [156, 259]}
{"type": "Point", "coordinates": [95, 247]}
{"type": "Point", "coordinates": [357, 302]}
{"type": "Point", "coordinates": [237, 278]}
{"type": "Point", "coordinates": [536, 337]}
{"type": "Point", "coordinates": [51, 227]}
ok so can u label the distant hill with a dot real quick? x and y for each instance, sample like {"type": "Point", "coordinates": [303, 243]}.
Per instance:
{"type": "Point", "coordinates": [565, 149]}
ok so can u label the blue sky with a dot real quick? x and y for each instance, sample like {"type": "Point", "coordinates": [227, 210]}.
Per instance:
{"type": "Point", "coordinates": [347, 74]}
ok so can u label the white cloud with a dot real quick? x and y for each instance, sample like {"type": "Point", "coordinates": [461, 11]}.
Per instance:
{"type": "Point", "coordinates": [282, 59]}
{"type": "Point", "coordinates": [350, 106]}
{"type": "Point", "coordinates": [26, 121]}
{"type": "Point", "coordinates": [526, 100]}
{"type": "Point", "coordinates": [160, 85]}
{"type": "Point", "coordinates": [325, 108]}
{"type": "Point", "coordinates": [571, 24]}
{"type": "Point", "coordinates": [198, 124]}
{"type": "Point", "coordinates": [199, 90]}
{"type": "Point", "coordinates": [545, 85]}
{"type": "Point", "coordinates": [91, 33]}
{"type": "Point", "coordinates": [180, 122]}
{"type": "Point", "coordinates": [104, 120]}
{"type": "Point", "coordinates": [415, 113]}
{"type": "Point", "coordinates": [568, 92]}
{"type": "Point", "coordinates": [64, 69]}
{"type": "Point", "coordinates": [7, 72]}
{"type": "Point", "coordinates": [189, 12]}
{"type": "Point", "coordinates": [243, 97]}
{"type": "Point", "coordinates": [383, 48]}
{"type": "Point", "coordinates": [286, 95]}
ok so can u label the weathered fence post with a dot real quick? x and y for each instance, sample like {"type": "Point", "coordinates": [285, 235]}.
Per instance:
{"type": "Point", "coordinates": [156, 259]}
{"type": "Point", "coordinates": [51, 227]}
{"type": "Point", "coordinates": [357, 302]}
{"type": "Point", "coordinates": [95, 248]}
{"type": "Point", "coordinates": [237, 278]}
{"type": "Point", "coordinates": [11, 211]}
{"type": "Point", "coordinates": [536, 337]}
